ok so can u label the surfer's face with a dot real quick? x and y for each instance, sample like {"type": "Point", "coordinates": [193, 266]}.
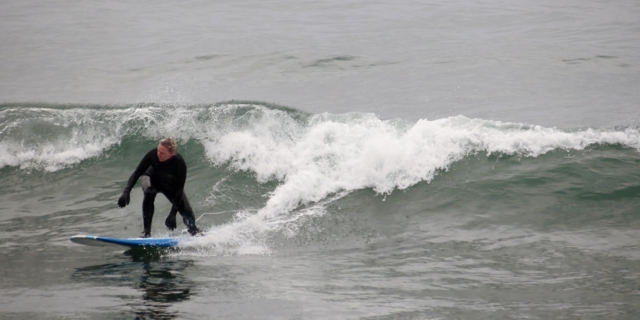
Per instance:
{"type": "Point", "coordinates": [163, 153]}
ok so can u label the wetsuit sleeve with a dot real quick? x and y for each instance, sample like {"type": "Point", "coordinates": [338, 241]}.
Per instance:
{"type": "Point", "coordinates": [181, 178]}
{"type": "Point", "coordinates": [142, 167]}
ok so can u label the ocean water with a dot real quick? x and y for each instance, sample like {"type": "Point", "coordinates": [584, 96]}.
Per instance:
{"type": "Point", "coordinates": [347, 159]}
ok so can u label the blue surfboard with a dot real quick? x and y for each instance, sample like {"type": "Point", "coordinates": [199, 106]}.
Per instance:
{"type": "Point", "coordinates": [128, 242]}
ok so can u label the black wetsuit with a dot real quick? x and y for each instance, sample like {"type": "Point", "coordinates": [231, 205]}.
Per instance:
{"type": "Point", "coordinates": [168, 178]}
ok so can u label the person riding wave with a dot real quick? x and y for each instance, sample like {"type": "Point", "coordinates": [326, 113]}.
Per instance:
{"type": "Point", "coordinates": [162, 170]}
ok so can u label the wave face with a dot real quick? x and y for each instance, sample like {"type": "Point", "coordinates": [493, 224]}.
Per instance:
{"type": "Point", "coordinates": [300, 164]}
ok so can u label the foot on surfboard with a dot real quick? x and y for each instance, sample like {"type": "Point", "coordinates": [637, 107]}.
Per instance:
{"type": "Point", "coordinates": [194, 231]}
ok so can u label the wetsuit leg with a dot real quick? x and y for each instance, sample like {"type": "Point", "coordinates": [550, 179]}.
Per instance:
{"type": "Point", "coordinates": [147, 203]}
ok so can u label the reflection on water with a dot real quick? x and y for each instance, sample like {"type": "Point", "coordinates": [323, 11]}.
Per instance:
{"type": "Point", "coordinates": [161, 283]}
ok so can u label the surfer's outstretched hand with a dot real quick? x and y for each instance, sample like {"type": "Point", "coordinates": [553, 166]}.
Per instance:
{"type": "Point", "coordinates": [124, 199]}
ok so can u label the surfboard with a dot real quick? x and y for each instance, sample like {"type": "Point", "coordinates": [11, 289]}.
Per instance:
{"type": "Point", "coordinates": [88, 240]}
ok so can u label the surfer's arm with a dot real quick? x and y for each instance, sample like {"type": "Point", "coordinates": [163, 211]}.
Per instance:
{"type": "Point", "coordinates": [181, 178]}
{"type": "Point", "coordinates": [142, 167]}
{"type": "Point", "coordinates": [144, 164]}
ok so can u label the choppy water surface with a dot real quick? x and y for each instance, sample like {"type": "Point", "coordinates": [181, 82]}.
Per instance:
{"type": "Point", "coordinates": [351, 160]}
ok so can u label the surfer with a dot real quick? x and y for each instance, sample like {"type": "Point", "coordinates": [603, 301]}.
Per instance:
{"type": "Point", "coordinates": [162, 170]}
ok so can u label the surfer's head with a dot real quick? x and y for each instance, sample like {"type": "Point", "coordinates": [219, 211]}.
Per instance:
{"type": "Point", "coordinates": [166, 149]}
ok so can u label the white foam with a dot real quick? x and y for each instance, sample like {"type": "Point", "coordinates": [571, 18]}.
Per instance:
{"type": "Point", "coordinates": [342, 153]}
{"type": "Point", "coordinates": [333, 154]}
{"type": "Point", "coordinates": [50, 156]}
{"type": "Point", "coordinates": [51, 139]}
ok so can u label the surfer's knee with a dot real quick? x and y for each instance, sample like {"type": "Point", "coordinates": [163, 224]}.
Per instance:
{"type": "Point", "coordinates": [150, 193]}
